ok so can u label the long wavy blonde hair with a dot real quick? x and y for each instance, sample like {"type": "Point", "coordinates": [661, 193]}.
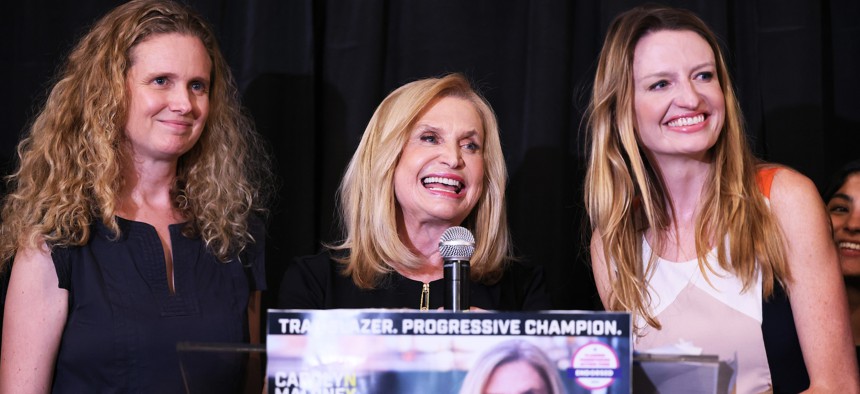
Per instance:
{"type": "Point", "coordinates": [624, 194]}
{"type": "Point", "coordinates": [71, 160]}
{"type": "Point", "coordinates": [368, 205]}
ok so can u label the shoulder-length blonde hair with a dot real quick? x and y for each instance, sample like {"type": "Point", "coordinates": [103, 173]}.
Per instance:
{"type": "Point", "coordinates": [624, 194]}
{"type": "Point", "coordinates": [366, 196]}
{"type": "Point", "coordinates": [507, 352]}
{"type": "Point", "coordinates": [71, 160]}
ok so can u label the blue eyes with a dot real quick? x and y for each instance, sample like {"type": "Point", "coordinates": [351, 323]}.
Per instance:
{"type": "Point", "coordinates": [706, 76]}
{"type": "Point", "coordinates": [433, 139]}
{"type": "Point", "coordinates": [472, 146]}
{"type": "Point", "coordinates": [658, 85]}
{"type": "Point", "coordinates": [196, 86]}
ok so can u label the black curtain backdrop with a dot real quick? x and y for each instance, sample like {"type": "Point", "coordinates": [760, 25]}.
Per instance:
{"type": "Point", "coordinates": [312, 72]}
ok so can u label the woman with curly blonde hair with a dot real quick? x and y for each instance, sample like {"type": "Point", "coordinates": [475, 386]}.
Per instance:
{"type": "Point", "coordinates": [429, 159]}
{"type": "Point", "coordinates": [131, 215]}
{"type": "Point", "coordinates": [699, 241]}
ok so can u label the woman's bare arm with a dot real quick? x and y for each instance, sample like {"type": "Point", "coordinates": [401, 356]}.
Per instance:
{"type": "Point", "coordinates": [34, 317]}
{"type": "Point", "coordinates": [817, 292]}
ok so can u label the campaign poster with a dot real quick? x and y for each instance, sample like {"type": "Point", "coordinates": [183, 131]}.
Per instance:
{"type": "Point", "coordinates": [385, 351]}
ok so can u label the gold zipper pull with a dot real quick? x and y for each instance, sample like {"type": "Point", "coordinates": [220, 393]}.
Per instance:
{"type": "Point", "coordinates": [425, 297]}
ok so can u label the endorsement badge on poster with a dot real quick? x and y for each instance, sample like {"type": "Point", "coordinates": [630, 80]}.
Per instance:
{"type": "Point", "coordinates": [595, 365]}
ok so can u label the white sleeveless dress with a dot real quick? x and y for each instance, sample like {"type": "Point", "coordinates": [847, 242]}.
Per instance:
{"type": "Point", "coordinates": [715, 317]}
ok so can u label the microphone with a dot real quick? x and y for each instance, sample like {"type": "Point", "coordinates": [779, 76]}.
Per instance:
{"type": "Point", "coordinates": [456, 247]}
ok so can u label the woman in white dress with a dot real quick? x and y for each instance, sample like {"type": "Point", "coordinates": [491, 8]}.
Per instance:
{"type": "Point", "coordinates": [703, 244]}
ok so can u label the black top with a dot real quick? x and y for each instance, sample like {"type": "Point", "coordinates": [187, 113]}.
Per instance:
{"type": "Point", "coordinates": [784, 355]}
{"type": "Point", "coordinates": [123, 323]}
{"type": "Point", "coordinates": [316, 282]}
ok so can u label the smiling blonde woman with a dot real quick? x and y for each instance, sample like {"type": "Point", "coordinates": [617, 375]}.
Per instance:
{"type": "Point", "coordinates": [430, 159]}
{"type": "Point", "coordinates": [691, 234]}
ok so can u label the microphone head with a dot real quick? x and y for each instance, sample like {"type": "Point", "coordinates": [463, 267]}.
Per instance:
{"type": "Point", "coordinates": [457, 243]}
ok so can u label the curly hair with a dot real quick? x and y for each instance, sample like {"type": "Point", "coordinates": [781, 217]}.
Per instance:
{"type": "Point", "coordinates": [366, 196]}
{"type": "Point", "coordinates": [71, 159]}
{"type": "Point", "coordinates": [624, 194]}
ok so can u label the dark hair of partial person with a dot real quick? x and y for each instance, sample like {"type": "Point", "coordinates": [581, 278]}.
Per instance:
{"type": "Point", "coordinates": [70, 162]}
{"type": "Point", "coordinates": [625, 195]}
{"type": "Point", "coordinates": [368, 205]}
{"type": "Point", "coordinates": [838, 178]}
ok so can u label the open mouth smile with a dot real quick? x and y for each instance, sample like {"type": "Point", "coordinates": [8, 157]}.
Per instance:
{"type": "Point", "coordinates": [687, 121]}
{"type": "Point", "coordinates": [849, 245]}
{"type": "Point", "coordinates": [442, 184]}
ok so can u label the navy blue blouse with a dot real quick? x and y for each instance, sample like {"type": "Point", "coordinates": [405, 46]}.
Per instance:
{"type": "Point", "coordinates": [123, 324]}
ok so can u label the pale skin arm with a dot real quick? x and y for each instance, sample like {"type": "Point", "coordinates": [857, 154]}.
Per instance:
{"type": "Point", "coordinates": [35, 313]}
{"type": "Point", "coordinates": [817, 293]}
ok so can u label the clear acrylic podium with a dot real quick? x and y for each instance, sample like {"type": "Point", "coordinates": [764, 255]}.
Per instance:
{"type": "Point", "coordinates": [246, 360]}
{"type": "Point", "coordinates": [687, 374]}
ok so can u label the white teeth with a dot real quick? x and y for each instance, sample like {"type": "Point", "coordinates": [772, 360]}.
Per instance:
{"type": "Point", "coordinates": [849, 245]}
{"type": "Point", "coordinates": [444, 181]}
{"type": "Point", "coordinates": [681, 122]}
